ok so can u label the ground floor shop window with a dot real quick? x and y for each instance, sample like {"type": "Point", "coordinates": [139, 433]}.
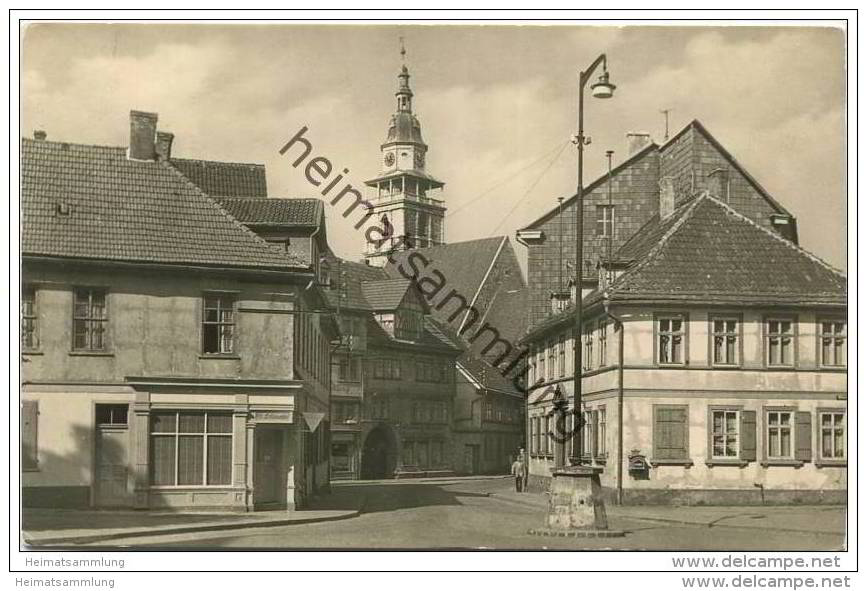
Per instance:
{"type": "Point", "coordinates": [190, 448]}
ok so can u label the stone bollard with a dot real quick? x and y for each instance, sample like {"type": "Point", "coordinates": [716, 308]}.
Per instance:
{"type": "Point", "coordinates": [576, 508]}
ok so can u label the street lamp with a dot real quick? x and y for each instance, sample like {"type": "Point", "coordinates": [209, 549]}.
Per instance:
{"type": "Point", "coordinates": [602, 89]}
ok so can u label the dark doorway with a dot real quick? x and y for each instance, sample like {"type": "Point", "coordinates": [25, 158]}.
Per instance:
{"type": "Point", "coordinates": [378, 454]}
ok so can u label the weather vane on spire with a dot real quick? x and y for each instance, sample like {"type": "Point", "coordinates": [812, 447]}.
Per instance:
{"type": "Point", "coordinates": [402, 52]}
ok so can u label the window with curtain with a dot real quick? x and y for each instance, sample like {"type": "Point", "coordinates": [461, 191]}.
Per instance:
{"type": "Point", "coordinates": [89, 320]}
{"type": "Point", "coordinates": [780, 342]}
{"type": "Point", "coordinates": [832, 434]}
{"type": "Point", "coordinates": [725, 341]}
{"type": "Point", "coordinates": [833, 341]}
{"type": "Point", "coordinates": [670, 334]}
{"type": "Point", "coordinates": [218, 324]}
{"type": "Point", "coordinates": [191, 448]}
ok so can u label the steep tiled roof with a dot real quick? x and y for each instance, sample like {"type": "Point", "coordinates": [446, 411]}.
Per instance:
{"type": "Point", "coordinates": [274, 212]}
{"type": "Point", "coordinates": [650, 234]}
{"type": "Point", "coordinates": [707, 253]}
{"type": "Point", "coordinates": [463, 263]}
{"type": "Point", "coordinates": [486, 374]}
{"type": "Point", "coordinates": [385, 294]}
{"type": "Point", "coordinates": [434, 337]}
{"type": "Point", "coordinates": [350, 296]}
{"type": "Point", "coordinates": [224, 179]}
{"type": "Point", "coordinates": [466, 267]}
{"type": "Point", "coordinates": [127, 210]}
{"type": "Point", "coordinates": [711, 252]}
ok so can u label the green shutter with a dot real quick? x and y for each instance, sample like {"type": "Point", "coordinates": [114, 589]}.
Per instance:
{"type": "Point", "coordinates": [29, 432]}
{"type": "Point", "coordinates": [803, 436]}
{"type": "Point", "coordinates": [748, 435]}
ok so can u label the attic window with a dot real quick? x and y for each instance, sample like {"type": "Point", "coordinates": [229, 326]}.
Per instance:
{"type": "Point", "coordinates": [63, 209]}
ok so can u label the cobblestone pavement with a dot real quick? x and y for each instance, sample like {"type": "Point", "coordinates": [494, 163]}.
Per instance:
{"type": "Point", "coordinates": [458, 514]}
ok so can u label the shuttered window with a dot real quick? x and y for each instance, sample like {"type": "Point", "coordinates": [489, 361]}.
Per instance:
{"type": "Point", "coordinates": [788, 435]}
{"type": "Point", "coordinates": [29, 435]}
{"type": "Point", "coordinates": [780, 433]}
{"type": "Point", "coordinates": [190, 448]}
{"type": "Point", "coordinates": [670, 433]}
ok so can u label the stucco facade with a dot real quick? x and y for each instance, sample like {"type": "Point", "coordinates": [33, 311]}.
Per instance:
{"type": "Point", "coordinates": [699, 387]}
{"type": "Point", "coordinates": [153, 362]}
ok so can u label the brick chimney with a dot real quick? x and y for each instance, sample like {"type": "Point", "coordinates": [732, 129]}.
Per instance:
{"type": "Point", "coordinates": [142, 134]}
{"type": "Point", "coordinates": [718, 184]}
{"type": "Point", "coordinates": [39, 135]}
{"type": "Point", "coordinates": [164, 145]}
{"type": "Point", "coordinates": [666, 197]}
{"type": "Point", "coordinates": [635, 142]}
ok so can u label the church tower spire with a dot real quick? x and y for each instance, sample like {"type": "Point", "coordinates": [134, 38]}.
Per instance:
{"type": "Point", "coordinates": [406, 204]}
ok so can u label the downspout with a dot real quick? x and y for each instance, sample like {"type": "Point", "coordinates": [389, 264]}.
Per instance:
{"type": "Point", "coordinates": [619, 326]}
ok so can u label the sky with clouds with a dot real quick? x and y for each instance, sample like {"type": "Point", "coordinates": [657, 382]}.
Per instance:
{"type": "Point", "coordinates": [496, 104]}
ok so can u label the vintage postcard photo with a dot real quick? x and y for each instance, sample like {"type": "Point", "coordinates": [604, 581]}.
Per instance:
{"type": "Point", "coordinates": [434, 286]}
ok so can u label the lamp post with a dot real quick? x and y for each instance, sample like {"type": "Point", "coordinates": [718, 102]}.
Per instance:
{"type": "Point", "coordinates": [602, 89]}
{"type": "Point", "coordinates": [576, 506]}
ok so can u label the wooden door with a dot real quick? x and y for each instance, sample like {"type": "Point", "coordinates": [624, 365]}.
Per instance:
{"type": "Point", "coordinates": [268, 467]}
{"type": "Point", "coordinates": [112, 467]}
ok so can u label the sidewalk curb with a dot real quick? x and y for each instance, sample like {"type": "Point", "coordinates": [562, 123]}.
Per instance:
{"type": "Point", "coordinates": [185, 529]}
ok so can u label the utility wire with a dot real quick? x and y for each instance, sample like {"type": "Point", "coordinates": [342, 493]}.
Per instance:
{"type": "Point", "coordinates": [532, 186]}
{"type": "Point", "coordinates": [508, 178]}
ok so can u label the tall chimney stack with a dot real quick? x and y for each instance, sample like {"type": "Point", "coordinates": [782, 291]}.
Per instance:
{"type": "Point", "coordinates": [164, 145]}
{"type": "Point", "coordinates": [635, 142]}
{"type": "Point", "coordinates": [666, 197]}
{"type": "Point", "coordinates": [142, 134]}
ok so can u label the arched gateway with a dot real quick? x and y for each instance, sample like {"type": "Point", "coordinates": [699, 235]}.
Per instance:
{"type": "Point", "coordinates": [379, 454]}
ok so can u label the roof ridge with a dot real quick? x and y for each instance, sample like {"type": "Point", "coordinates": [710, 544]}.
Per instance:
{"type": "Point", "coordinates": [258, 239]}
{"type": "Point", "coordinates": [257, 164]}
{"type": "Point", "coordinates": [778, 237]}
{"type": "Point", "coordinates": [60, 142]}
{"type": "Point", "coordinates": [653, 252]}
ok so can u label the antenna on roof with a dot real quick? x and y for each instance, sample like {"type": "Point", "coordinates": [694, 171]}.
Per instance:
{"type": "Point", "coordinates": [666, 112]}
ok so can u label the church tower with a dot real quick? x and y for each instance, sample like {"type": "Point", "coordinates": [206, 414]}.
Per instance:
{"type": "Point", "coordinates": [406, 201]}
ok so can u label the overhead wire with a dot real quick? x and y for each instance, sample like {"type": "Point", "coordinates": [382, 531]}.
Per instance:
{"type": "Point", "coordinates": [531, 187]}
{"type": "Point", "coordinates": [559, 148]}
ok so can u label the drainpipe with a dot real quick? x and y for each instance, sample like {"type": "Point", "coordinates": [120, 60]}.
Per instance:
{"type": "Point", "coordinates": [619, 326]}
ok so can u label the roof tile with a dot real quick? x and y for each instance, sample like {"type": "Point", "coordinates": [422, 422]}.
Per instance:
{"type": "Point", "coordinates": [127, 210]}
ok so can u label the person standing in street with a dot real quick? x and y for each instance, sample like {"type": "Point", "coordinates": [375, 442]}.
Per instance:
{"type": "Point", "coordinates": [518, 472]}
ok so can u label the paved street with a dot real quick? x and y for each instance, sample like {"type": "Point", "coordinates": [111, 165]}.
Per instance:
{"type": "Point", "coordinates": [483, 514]}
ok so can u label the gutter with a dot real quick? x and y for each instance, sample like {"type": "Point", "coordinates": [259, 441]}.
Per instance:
{"type": "Point", "coordinates": [619, 326]}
